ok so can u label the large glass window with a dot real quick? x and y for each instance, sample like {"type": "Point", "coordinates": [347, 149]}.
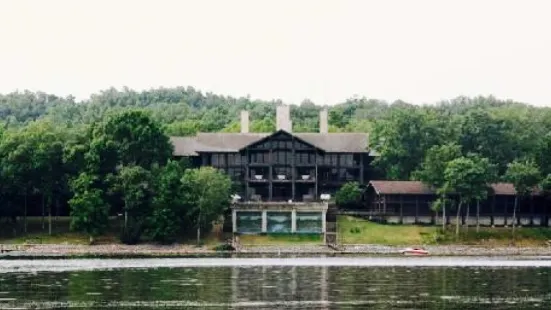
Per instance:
{"type": "Point", "coordinates": [282, 157]}
{"type": "Point", "coordinates": [286, 172]}
{"type": "Point", "coordinates": [234, 159]}
{"type": "Point", "coordinates": [279, 222]}
{"type": "Point", "coordinates": [218, 160]}
{"type": "Point", "coordinates": [249, 222]}
{"type": "Point", "coordinates": [346, 160]}
{"type": "Point", "coordinates": [309, 222]}
{"type": "Point", "coordinates": [328, 159]}
{"type": "Point", "coordinates": [304, 158]}
{"type": "Point", "coordinates": [236, 174]}
{"type": "Point", "coordinates": [260, 158]}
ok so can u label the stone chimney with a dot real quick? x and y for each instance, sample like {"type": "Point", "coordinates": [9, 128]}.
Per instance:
{"type": "Point", "coordinates": [323, 121]}
{"type": "Point", "coordinates": [244, 121]}
{"type": "Point", "coordinates": [283, 118]}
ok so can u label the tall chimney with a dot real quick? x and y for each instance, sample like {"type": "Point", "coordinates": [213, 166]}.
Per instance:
{"type": "Point", "coordinates": [323, 121]}
{"type": "Point", "coordinates": [283, 118]}
{"type": "Point", "coordinates": [244, 121]}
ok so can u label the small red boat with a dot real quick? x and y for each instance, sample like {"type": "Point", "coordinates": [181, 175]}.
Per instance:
{"type": "Point", "coordinates": [414, 251]}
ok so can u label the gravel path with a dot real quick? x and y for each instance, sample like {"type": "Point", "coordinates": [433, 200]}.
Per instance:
{"type": "Point", "coordinates": [172, 250]}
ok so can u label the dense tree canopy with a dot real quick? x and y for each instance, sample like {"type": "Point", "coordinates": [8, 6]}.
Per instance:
{"type": "Point", "coordinates": [49, 142]}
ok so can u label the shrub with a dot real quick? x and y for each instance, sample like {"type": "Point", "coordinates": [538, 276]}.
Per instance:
{"type": "Point", "coordinates": [349, 194]}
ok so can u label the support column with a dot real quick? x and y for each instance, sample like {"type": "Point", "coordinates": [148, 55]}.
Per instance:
{"type": "Point", "coordinates": [361, 168]}
{"type": "Point", "coordinates": [505, 211]}
{"type": "Point", "coordinates": [234, 220]}
{"type": "Point", "coordinates": [316, 178]}
{"type": "Point", "coordinates": [401, 210]}
{"type": "Point", "coordinates": [271, 174]}
{"type": "Point", "coordinates": [247, 175]}
{"type": "Point", "coordinates": [324, 221]}
{"type": "Point", "coordinates": [493, 206]}
{"type": "Point", "coordinates": [294, 221]}
{"type": "Point", "coordinates": [531, 210]}
{"type": "Point", "coordinates": [416, 210]}
{"type": "Point", "coordinates": [293, 169]}
{"type": "Point", "coordinates": [264, 221]}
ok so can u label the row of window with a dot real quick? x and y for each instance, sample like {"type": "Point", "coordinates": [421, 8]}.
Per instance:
{"type": "Point", "coordinates": [279, 222]}
{"type": "Point", "coordinates": [285, 158]}
{"type": "Point", "coordinates": [282, 144]}
{"type": "Point", "coordinates": [286, 173]}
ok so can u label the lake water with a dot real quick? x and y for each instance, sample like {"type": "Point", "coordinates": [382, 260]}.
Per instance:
{"type": "Point", "coordinates": [278, 283]}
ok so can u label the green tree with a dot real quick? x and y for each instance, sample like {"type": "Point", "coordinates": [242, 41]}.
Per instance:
{"type": "Point", "coordinates": [134, 184]}
{"type": "Point", "coordinates": [134, 138]}
{"type": "Point", "coordinates": [541, 154]}
{"type": "Point", "coordinates": [525, 176]}
{"type": "Point", "coordinates": [489, 136]}
{"type": "Point", "coordinates": [169, 214]}
{"type": "Point", "coordinates": [18, 168]}
{"type": "Point", "coordinates": [468, 179]}
{"type": "Point", "coordinates": [89, 212]}
{"type": "Point", "coordinates": [430, 172]}
{"type": "Point", "coordinates": [47, 158]}
{"type": "Point", "coordinates": [207, 195]}
{"type": "Point", "coordinates": [349, 194]}
{"type": "Point", "coordinates": [402, 139]}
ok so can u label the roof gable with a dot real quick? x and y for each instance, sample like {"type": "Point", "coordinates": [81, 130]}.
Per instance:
{"type": "Point", "coordinates": [277, 133]}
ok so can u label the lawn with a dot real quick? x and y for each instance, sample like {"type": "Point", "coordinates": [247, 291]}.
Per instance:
{"type": "Point", "coordinates": [61, 233]}
{"type": "Point", "coordinates": [359, 231]}
{"type": "Point", "coordinates": [353, 230]}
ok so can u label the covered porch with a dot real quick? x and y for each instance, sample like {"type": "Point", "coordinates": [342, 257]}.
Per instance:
{"type": "Point", "coordinates": [279, 217]}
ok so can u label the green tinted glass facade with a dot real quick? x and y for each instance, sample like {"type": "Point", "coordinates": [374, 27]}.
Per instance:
{"type": "Point", "coordinates": [249, 222]}
{"type": "Point", "coordinates": [309, 222]}
{"type": "Point", "coordinates": [279, 222]}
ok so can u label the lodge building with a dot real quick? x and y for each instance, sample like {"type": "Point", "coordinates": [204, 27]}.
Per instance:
{"type": "Point", "coordinates": [281, 177]}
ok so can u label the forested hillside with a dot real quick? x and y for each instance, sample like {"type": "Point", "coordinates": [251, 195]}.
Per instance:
{"type": "Point", "coordinates": [401, 132]}
{"type": "Point", "coordinates": [57, 153]}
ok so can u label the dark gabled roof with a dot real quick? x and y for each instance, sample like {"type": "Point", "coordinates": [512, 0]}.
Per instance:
{"type": "Point", "coordinates": [233, 142]}
{"type": "Point", "coordinates": [268, 137]}
{"type": "Point", "coordinates": [337, 142]}
{"type": "Point", "coordinates": [401, 188]}
{"type": "Point", "coordinates": [419, 188]}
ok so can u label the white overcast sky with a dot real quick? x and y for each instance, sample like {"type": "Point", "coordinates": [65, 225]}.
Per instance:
{"type": "Point", "coordinates": [419, 51]}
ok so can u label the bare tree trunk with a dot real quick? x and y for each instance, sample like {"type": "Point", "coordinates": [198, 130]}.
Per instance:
{"type": "Point", "coordinates": [43, 212]}
{"type": "Point", "coordinates": [56, 210]}
{"type": "Point", "coordinates": [198, 235]}
{"type": "Point", "coordinates": [25, 215]}
{"type": "Point", "coordinates": [457, 218]}
{"type": "Point", "coordinates": [125, 219]}
{"type": "Point", "coordinates": [199, 230]}
{"type": "Point", "coordinates": [515, 216]}
{"type": "Point", "coordinates": [49, 217]}
{"type": "Point", "coordinates": [468, 216]}
{"type": "Point", "coordinates": [478, 216]}
{"type": "Point", "coordinates": [444, 214]}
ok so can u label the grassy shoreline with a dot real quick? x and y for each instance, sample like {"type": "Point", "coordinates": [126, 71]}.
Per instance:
{"type": "Point", "coordinates": [355, 236]}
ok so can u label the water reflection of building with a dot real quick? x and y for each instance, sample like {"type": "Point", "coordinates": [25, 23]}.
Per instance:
{"type": "Point", "coordinates": [275, 285]}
